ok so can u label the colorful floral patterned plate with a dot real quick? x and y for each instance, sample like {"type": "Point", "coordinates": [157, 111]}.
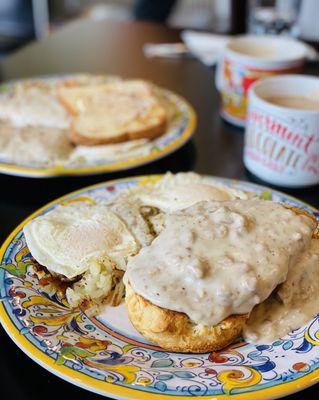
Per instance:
{"type": "Point", "coordinates": [105, 354]}
{"type": "Point", "coordinates": [180, 128]}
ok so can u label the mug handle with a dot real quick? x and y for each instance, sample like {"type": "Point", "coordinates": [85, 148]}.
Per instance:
{"type": "Point", "coordinates": [219, 81]}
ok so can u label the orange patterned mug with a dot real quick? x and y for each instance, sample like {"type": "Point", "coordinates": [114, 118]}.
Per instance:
{"type": "Point", "coordinates": [247, 59]}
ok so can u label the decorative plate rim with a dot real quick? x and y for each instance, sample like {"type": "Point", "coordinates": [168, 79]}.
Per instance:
{"type": "Point", "coordinates": [121, 392]}
{"type": "Point", "coordinates": [48, 172]}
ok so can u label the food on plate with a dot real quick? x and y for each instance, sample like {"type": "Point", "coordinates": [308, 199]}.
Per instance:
{"type": "Point", "coordinates": [114, 112]}
{"type": "Point", "coordinates": [33, 105]}
{"type": "Point", "coordinates": [292, 305]}
{"type": "Point", "coordinates": [34, 144]}
{"type": "Point", "coordinates": [78, 99]}
{"type": "Point", "coordinates": [203, 263]}
{"type": "Point", "coordinates": [211, 261]}
{"type": "Point", "coordinates": [65, 239]}
{"type": "Point", "coordinates": [174, 331]}
{"type": "Point", "coordinates": [100, 118]}
{"type": "Point", "coordinates": [175, 192]}
{"type": "Point", "coordinates": [84, 242]}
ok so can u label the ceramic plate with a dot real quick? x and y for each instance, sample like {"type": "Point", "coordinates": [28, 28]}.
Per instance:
{"type": "Point", "coordinates": [105, 354]}
{"type": "Point", "coordinates": [180, 128]}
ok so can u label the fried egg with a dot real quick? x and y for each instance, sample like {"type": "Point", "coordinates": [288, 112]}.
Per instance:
{"type": "Point", "coordinates": [69, 238]}
{"type": "Point", "coordinates": [176, 192]}
{"type": "Point", "coordinates": [33, 106]}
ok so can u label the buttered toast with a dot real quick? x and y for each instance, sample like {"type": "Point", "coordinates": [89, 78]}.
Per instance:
{"type": "Point", "coordinates": [113, 113]}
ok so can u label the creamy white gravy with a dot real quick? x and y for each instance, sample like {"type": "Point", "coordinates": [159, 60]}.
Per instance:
{"type": "Point", "coordinates": [36, 145]}
{"type": "Point", "coordinates": [295, 303]}
{"type": "Point", "coordinates": [49, 146]}
{"type": "Point", "coordinates": [213, 260]}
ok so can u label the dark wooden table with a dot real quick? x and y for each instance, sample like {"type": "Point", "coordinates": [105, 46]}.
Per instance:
{"type": "Point", "coordinates": [115, 48]}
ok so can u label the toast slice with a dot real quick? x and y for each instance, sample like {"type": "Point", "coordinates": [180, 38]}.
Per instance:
{"type": "Point", "coordinates": [77, 99]}
{"type": "Point", "coordinates": [113, 113]}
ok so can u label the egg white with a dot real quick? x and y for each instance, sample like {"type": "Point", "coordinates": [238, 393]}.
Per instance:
{"type": "Point", "coordinates": [67, 239]}
{"type": "Point", "coordinates": [176, 192]}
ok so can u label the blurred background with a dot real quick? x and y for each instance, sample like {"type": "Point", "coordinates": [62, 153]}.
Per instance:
{"type": "Point", "coordinates": [25, 20]}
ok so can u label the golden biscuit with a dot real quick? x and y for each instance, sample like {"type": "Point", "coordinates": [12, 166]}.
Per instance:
{"type": "Point", "coordinates": [174, 331]}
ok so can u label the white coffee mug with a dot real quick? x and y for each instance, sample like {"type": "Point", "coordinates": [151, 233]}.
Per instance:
{"type": "Point", "coordinates": [247, 59]}
{"type": "Point", "coordinates": [282, 143]}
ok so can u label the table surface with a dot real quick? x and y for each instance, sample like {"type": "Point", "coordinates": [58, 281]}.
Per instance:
{"type": "Point", "coordinates": [216, 149]}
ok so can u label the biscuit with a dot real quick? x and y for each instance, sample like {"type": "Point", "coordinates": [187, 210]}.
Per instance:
{"type": "Point", "coordinates": [174, 331]}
